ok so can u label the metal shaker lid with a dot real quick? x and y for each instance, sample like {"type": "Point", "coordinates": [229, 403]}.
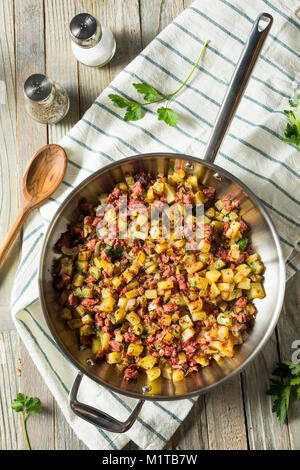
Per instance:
{"type": "Point", "coordinates": [37, 87]}
{"type": "Point", "coordinates": [85, 30]}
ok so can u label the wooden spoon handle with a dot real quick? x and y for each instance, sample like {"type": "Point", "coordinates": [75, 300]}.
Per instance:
{"type": "Point", "coordinates": [13, 233]}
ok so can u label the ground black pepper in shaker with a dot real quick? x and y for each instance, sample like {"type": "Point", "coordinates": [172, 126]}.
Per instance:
{"type": "Point", "coordinates": [46, 101]}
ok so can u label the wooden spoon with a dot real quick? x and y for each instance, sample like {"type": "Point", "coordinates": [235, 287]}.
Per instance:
{"type": "Point", "coordinates": [43, 175]}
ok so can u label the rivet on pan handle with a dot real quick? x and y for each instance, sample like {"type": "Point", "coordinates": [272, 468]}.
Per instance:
{"type": "Point", "coordinates": [238, 84]}
{"type": "Point", "coordinates": [97, 417]}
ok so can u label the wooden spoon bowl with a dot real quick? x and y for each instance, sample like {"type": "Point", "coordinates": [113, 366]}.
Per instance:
{"type": "Point", "coordinates": [43, 175]}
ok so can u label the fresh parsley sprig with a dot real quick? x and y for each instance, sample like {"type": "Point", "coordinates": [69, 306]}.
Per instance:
{"type": "Point", "coordinates": [292, 131]}
{"type": "Point", "coordinates": [27, 406]}
{"type": "Point", "coordinates": [135, 111]}
{"type": "Point", "coordinates": [289, 373]}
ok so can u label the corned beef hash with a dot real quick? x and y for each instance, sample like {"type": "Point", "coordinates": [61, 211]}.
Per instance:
{"type": "Point", "coordinates": [153, 305]}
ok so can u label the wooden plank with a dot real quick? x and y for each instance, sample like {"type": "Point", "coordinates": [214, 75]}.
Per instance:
{"type": "Point", "coordinates": [62, 68]}
{"type": "Point", "coordinates": [8, 158]}
{"type": "Point", "coordinates": [289, 332]}
{"type": "Point", "coordinates": [156, 15]}
{"type": "Point", "coordinates": [193, 433]}
{"type": "Point", "coordinates": [30, 58]}
{"type": "Point", "coordinates": [10, 422]}
{"type": "Point", "coordinates": [225, 417]}
{"type": "Point", "coordinates": [264, 429]}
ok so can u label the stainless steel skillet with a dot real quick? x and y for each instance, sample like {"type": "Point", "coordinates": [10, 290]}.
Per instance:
{"type": "Point", "coordinates": [264, 239]}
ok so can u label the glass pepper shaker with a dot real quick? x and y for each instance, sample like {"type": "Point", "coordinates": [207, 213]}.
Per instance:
{"type": "Point", "coordinates": [92, 44]}
{"type": "Point", "coordinates": [46, 101]}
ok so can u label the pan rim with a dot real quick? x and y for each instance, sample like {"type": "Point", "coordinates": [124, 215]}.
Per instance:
{"type": "Point", "coordinates": [280, 293]}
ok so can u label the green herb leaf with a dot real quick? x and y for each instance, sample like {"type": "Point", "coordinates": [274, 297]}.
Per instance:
{"type": "Point", "coordinates": [289, 372]}
{"type": "Point", "coordinates": [243, 242]}
{"type": "Point", "coordinates": [119, 101]}
{"type": "Point", "coordinates": [292, 131]}
{"type": "Point", "coordinates": [167, 115]}
{"type": "Point", "coordinates": [150, 94]}
{"type": "Point", "coordinates": [134, 112]}
{"type": "Point", "coordinates": [27, 406]}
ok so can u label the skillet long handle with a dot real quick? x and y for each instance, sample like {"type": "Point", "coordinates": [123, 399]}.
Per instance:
{"type": "Point", "coordinates": [97, 417]}
{"type": "Point", "coordinates": [238, 84]}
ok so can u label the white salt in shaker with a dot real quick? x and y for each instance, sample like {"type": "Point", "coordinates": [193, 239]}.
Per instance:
{"type": "Point", "coordinates": [92, 44]}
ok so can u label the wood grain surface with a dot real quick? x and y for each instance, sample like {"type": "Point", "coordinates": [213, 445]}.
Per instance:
{"type": "Point", "coordinates": [235, 416]}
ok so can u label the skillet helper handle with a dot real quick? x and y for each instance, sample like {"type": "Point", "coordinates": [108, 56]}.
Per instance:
{"type": "Point", "coordinates": [97, 417]}
{"type": "Point", "coordinates": [238, 84]}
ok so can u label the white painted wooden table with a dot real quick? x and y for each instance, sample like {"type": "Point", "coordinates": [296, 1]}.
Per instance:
{"type": "Point", "coordinates": [236, 416]}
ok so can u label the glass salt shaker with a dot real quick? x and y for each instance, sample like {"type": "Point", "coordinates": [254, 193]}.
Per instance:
{"type": "Point", "coordinates": [46, 101]}
{"type": "Point", "coordinates": [92, 44]}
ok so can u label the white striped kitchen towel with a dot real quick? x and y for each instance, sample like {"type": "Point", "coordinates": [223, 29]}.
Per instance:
{"type": "Point", "coordinates": [254, 151]}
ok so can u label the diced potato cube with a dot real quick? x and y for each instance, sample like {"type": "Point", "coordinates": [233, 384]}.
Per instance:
{"type": "Point", "coordinates": [234, 253]}
{"type": "Point", "coordinates": [86, 330]}
{"type": "Point", "coordinates": [218, 264]}
{"type": "Point", "coordinates": [116, 282]}
{"type": "Point", "coordinates": [182, 357]}
{"type": "Point", "coordinates": [133, 318]}
{"type": "Point", "coordinates": [216, 345]}
{"type": "Point", "coordinates": [166, 319]}
{"type": "Point", "coordinates": [132, 294]}
{"type": "Point", "coordinates": [224, 319]}
{"type": "Point", "coordinates": [252, 258]}
{"type": "Point", "coordinates": [130, 181]}
{"type": "Point", "coordinates": [87, 319]}
{"type": "Point", "coordinates": [170, 193]}
{"type": "Point", "coordinates": [161, 247]}
{"type": "Point", "coordinates": [113, 357]}
{"type": "Point", "coordinates": [107, 305]}
{"type": "Point", "coordinates": [176, 176]}
{"type": "Point", "coordinates": [214, 291]}
{"type": "Point", "coordinates": [185, 322]}
{"type": "Point", "coordinates": [140, 258]}
{"type": "Point", "coordinates": [127, 275]}
{"type": "Point", "coordinates": [218, 225]}
{"type": "Point", "coordinates": [96, 346]}
{"type": "Point", "coordinates": [212, 275]}
{"type": "Point", "coordinates": [84, 255]}
{"type": "Point", "coordinates": [238, 277]}
{"type": "Point", "coordinates": [134, 349]}
{"type": "Point", "coordinates": [202, 284]}
{"type": "Point", "coordinates": [233, 230]}
{"type": "Point", "coordinates": [200, 198]}
{"type": "Point", "coordinates": [138, 329]}
{"type": "Point", "coordinates": [95, 272]}
{"type": "Point", "coordinates": [122, 302]}
{"type": "Point", "coordinates": [195, 267]}
{"type": "Point", "coordinates": [227, 275]}
{"type": "Point", "coordinates": [150, 194]}
{"type": "Point", "coordinates": [257, 290]}
{"type": "Point", "coordinates": [244, 284]}
{"type": "Point", "coordinates": [168, 338]}
{"type": "Point", "coordinates": [195, 306]}
{"type": "Point", "coordinates": [204, 246]}
{"type": "Point", "coordinates": [257, 267]}
{"type": "Point", "coordinates": [187, 334]}
{"type": "Point", "coordinates": [203, 361]}
{"type": "Point", "coordinates": [81, 310]}
{"type": "Point", "coordinates": [119, 315]}
{"type": "Point", "coordinates": [147, 362]}
{"type": "Point", "coordinates": [151, 293]}
{"type": "Point", "coordinates": [177, 375]}
{"type": "Point", "coordinates": [199, 316]}
{"type": "Point", "coordinates": [165, 284]}
{"type": "Point", "coordinates": [105, 338]}
{"type": "Point", "coordinates": [224, 286]}
{"type": "Point", "coordinates": [107, 267]}
{"type": "Point", "coordinates": [193, 181]}
{"type": "Point", "coordinates": [158, 187]}
{"type": "Point", "coordinates": [78, 280]}
{"type": "Point", "coordinates": [244, 269]}
{"type": "Point", "coordinates": [153, 373]}
{"type": "Point", "coordinates": [151, 269]}
{"type": "Point", "coordinates": [223, 332]}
